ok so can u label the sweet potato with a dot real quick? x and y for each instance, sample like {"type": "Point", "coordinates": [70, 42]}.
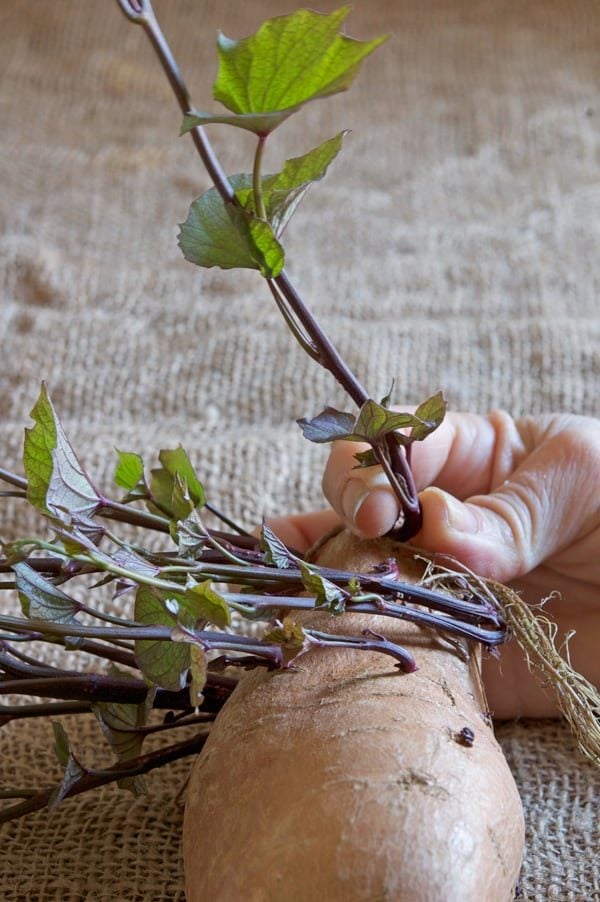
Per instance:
{"type": "Point", "coordinates": [341, 779]}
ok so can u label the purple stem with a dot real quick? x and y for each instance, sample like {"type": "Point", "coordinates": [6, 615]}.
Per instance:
{"type": "Point", "coordinates": [92, 780]}
{"type": "Point", "coordinates": [328, 356]}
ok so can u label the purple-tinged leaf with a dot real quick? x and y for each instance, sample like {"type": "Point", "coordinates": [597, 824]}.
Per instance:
{"type": "Point", "coordinates": [275, 551]}
{"type": "Point", "coordinates": [327, 426]}
{"type": "Point", "coordinates": [56, 482]}
{"type": "Point", "coordinates": [73, 769]}
{"type": "Point", "coordinates": [121, 724]}
{"type": "Point", "coordinates": [130, 560]}
{"type": "Point", "coordinates": [42, 600]}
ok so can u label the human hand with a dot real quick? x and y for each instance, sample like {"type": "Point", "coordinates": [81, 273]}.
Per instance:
{"type": "Point", "coordinates": [517, 501]}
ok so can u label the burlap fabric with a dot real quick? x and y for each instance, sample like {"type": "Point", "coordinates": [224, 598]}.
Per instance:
{"type": "Point", "coordinates": [454, 246]}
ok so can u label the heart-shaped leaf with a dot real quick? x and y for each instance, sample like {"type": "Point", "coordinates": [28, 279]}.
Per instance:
{"type": "Point", "coordinates": [223, 234]}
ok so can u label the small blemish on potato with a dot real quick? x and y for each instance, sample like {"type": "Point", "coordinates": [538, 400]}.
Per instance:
{"type": "Point", "coordinates": [465, 737]}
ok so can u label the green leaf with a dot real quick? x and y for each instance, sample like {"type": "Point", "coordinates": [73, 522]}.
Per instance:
{"type": "Point", "coordinates": [161, 490]}
{"type": "Point", "coordinates": [375, 421]}
{"type": "Point", "coordinates": [258, 123]}
{"type": "Point", "coordinates": [56, 481]}
{"type": "Point", "coordinates": [327, 426]}
{"type": "Point", "coordinates": [326, 592]}
{"type": "Point", "coordinates": [120, 724]}
{"type": "Point", "coordinates": [431, 412]}
{"type": "Point", "coordinates": [289, 61]}
{"type": "Point", "coordinates": [289, 635]}
{"type": "Point", "coordinates": [275, 551]}
{"type": "Point", "coordinates": [203, 603]}
{"type": "Point", "coordinates": [366, 458]}
{"type": "Point", "coordinates": [181, 502]}
{"type": "Point", "coordinates": [163, 663]}
{"type": "Point", "coordinates": [220, 233]}
{"type": "Point", "coordinates": [61, 743]}
{"type": "Point", "coordinates": [73, 769]}
{"type": "Point", "coordinates": [283, 191]}
{"type": "Point", "coordinates": [177, 463]}
{"type": "Point", "coordinates": [385, 401]}
{"type": "Point", "coordinates": [198, 673]}
{"type": "Point", "coordinates": [175, 487]}
{"type": "Point", "coordinates": [40, 599]}
{"type": "Point", "coordinates": [129, 471]}
{"type": "Point", "coordinates": [166, 663]}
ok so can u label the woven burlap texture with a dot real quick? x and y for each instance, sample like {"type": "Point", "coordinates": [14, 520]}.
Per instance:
{"type": "Point", "coordinates": [453, 245]}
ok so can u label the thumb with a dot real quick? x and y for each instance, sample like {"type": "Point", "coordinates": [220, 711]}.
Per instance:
{"type": "Point", "coordinates": [490, 534]}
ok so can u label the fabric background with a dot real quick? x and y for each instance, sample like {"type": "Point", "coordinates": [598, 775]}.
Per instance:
{"type": "Point", "coordinates": [454, 245]}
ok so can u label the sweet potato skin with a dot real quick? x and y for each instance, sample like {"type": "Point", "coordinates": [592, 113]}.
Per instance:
{"type": "Point", "coordinates": [343, 780]}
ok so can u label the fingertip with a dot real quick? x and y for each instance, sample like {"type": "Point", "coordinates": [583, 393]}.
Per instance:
{"type": "Point", "coordinates": [376, 515]}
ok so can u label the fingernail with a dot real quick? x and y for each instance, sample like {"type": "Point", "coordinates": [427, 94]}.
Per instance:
{"type": "Point", "coordinates": [353, 497]}
{"type": "Point", "coordinates": [460, 517]}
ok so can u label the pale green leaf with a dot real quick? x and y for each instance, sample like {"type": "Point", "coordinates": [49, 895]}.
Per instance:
{"type": "Point", "coordinates": [198, 673]}
{"type": "Point", "coordinates": [203, 603]}
{"type": "Point", "coordinates": [129, 471]}
{"type": "Point", "coordinates": [61, 743]}
{"type": "Point", "coordinates": [289, 61]}
{"type": "Point", "coordinates": [181, 503]}
{"type": "Point", "coordinates": [366, 458]}
{"type": "Point", "coordinates": [386, 400]}
{"type": "Point", "coordinates": [161, 491]}
{"type": "Point", "coordinates": [290, 636]}
{"type": "Point", "coordinates": [289, 633]}
{"type": "Point", "coordinates": [177, 463]}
